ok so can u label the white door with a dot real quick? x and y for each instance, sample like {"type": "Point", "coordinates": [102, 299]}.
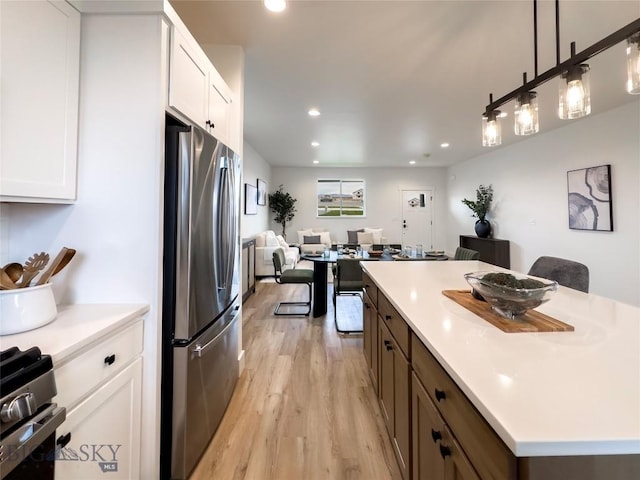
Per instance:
{"type": "Point", "coordinates": [417, 217]}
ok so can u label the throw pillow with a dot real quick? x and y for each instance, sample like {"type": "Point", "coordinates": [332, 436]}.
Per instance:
{"type": "Point", "coordinates": [325, 237]}
{"type": "Point", "coordinates": [377, 234]}
{"type": "Point", "coordinates": [302, 233]}
{"type": "Point", "coordinates": [282, 242]}
{"type": "Point", "coordinates": [365, 238]}
{"type": "Point", "coordinates": [352, 236]}
{"type": "Point", "coordinates": [311, 240]}
{"type": "Point", "coordinates": [271, 240]}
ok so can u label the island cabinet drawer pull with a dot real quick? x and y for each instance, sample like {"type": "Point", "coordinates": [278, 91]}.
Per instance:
{"type": "Point", "coordinates": [110, 359]}
{"type": "Point", "coordinates": [366, 305]}
{"type": "Point", "coordinates": [445, 451]}
{"type": "Point", "coordinates": [436, 435]}
{"type": "Point", "coordinates": [63, 440]}
{"type": "Point", "coordinates": [388, 317]}
{"type": "Point", "coordinates": [440, 395]}
{"type": "Point", "coordinates": [387, 344]}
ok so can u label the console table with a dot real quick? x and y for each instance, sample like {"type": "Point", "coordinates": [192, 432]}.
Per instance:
{"type": "Point", "coordinates": [492, 250]}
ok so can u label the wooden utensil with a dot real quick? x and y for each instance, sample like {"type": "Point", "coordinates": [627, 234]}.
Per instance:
{"type": "Point", "coordinates": [65, 260]}
{"type": "Point", "coordinates": [53, 266]}
{"type": "Point", "coordinates": [5, 281]}
{"type": "Point", "coordinates": [32, 266]}
{"type": "Point", "coordinates": [14, 270]}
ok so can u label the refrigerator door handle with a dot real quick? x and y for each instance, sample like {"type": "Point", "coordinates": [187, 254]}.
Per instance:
{"type": "Point", "coordinates": [199, 349]}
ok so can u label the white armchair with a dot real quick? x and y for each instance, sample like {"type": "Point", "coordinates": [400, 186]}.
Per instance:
{"type": "Point", "coordinates": [266, 243]}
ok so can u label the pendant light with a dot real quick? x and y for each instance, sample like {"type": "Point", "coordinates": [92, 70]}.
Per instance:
{"type": "Point", "coordinates": [526, 112]}
{"type": "Point", "coordinates": [633, 64]}
{"type": "Point", "coordinates": [574, 94]}
{"type": "Point", "coordinates": [491, 131]}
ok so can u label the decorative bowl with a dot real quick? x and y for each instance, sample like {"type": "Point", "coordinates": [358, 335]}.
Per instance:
{"type": "Point", "coordinates": [23, 309]}
{"type": "Point", "coordinates": [511, 294]}
{"type": "Point", "coordinates": [375, 253]}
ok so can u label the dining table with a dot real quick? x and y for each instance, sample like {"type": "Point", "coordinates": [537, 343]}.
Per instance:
{"type": "Point", "coordinates": [322, 260]}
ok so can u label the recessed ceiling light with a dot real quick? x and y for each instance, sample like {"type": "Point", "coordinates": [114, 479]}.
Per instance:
{"type": "Point", "coordinates": [314, 112]}
{"type": "Point", "coordinates": [316, 161]}
{"type": "Point", "coordinates": [315, 144]}
{"type": "Point", "coordinates": [275, 5]}
{"type": "Point", "coordinates": [412, 162]}
{"type": "Point", "coordinates": [444, 145]}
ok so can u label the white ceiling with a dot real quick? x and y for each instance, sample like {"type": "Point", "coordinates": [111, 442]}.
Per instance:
{"type": "Point", "coordinates": [395, 79]}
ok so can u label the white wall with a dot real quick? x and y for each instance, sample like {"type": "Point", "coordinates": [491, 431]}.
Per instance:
{"type": "Point", "coordinates": [254, 167]}
{"type": "Point", "coordinates": [383, 199]}
{"type": "Point", "coordinates": [530, 198]}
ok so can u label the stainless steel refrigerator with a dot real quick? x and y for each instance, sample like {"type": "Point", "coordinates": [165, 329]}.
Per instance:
{"type": "Point", "coordinates": [200, 293]}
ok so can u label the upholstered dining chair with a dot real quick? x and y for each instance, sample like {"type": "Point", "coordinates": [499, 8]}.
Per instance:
{"type": "Point", "coordinates": [347, 280]}
{"type": "Point", "coordinates": [291, 276]}
{"type": "Point", "coordinates": [566, 272]}
{"type": "Point", "coordinates": [466, 254]}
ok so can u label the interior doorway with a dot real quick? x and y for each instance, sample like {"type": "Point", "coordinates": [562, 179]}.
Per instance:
{"type": "Point", "coordinates": [417, 218]}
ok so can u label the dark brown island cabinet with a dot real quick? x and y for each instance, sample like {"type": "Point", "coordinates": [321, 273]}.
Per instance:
{"type": "Point", "coordinates": [248, 268]}
{"type": "Point", "coordinates": [492, 250]}
{"type": "Point", "coordinates": [435, 430]}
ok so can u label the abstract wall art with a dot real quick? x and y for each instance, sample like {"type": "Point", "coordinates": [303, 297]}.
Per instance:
{"type": "Point", "coordinates": [590, 198]}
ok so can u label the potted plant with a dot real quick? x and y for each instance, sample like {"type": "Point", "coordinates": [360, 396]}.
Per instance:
{"type": "Point", "coordinates": [283, 205]}
{"type": "Point", "coordinates": [484, 196]}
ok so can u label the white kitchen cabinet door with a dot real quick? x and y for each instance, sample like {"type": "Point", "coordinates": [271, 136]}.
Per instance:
{"type": "Point", "coordinates": [219, 107]}
{"type": "Point", "coordinates": [188, 79]}
{"type": "Point", "coordinates": [40, 58]}
{"type": "Point", "coordinates": [105, 431]}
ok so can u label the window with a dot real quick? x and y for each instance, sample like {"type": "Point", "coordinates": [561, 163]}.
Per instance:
{"type": "Point", "coordinates": [341, 198]}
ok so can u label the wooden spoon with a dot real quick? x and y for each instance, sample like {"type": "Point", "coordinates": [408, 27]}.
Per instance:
{"type": "Point", "coordinates": [5, 281]}
{"type": "Point", "coordinates": [32, 266]}
{"type": "Point", "coordinates": [64, 255]}
{"type": "Point", "coordinates": [14, 270]}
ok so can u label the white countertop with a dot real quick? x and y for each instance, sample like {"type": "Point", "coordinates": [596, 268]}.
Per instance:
{"type": "Point", "coordinates": [75, 327]}
{"type": "Point", "coordinates": [545, 394]}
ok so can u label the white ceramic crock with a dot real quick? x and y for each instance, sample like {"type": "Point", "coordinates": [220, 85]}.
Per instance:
{"type": "Point", "coordinates": [24, 309]}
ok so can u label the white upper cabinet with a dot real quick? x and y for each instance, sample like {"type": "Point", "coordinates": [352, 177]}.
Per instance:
{"type": "Point", "coordinates": [40, 58]}
{"type": "Point", "coordinates": [196, 89]}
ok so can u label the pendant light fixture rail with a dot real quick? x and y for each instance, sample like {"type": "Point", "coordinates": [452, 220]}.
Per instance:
{"type": "Point", "coordinates": [575, 60]}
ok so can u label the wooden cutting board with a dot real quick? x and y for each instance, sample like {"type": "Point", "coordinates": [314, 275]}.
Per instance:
{"type": "Point", "coordinates": [531, 321]}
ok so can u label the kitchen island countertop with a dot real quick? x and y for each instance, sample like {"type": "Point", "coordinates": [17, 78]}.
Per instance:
{"type": "Point", "coordinates": [74, 327]}
{"type": "Point", "coordinates": [545, 394]}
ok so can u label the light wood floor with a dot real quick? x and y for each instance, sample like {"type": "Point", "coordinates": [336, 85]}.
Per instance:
{"type": "Point", "coordinates": [304, 407]}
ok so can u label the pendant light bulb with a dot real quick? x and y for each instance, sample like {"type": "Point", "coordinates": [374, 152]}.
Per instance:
{"type": "Point", "coordinates": [526, 114]}
{"type": "Point", "coordinates": [575, 96]}
{"type": "Point", "coordinates": [491, 132]}
{"type": "Point", "coordinates": [633, 64]}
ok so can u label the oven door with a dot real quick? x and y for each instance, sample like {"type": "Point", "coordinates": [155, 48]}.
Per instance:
{"type": "Point", "coordinates": [29, 451]}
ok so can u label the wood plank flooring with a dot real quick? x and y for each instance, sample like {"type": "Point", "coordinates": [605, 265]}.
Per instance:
{"type": "Point", "coordinates": [304, 407]}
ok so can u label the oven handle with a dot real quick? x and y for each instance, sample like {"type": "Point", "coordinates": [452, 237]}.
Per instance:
{"type": "Point", "coordinates": [36, 430]}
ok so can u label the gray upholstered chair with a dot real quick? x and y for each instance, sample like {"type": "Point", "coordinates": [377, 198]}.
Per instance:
{"type": "Point", "coordinates": [466, 254]}
{"type": "Point", "coordinates": [347, 280]}
{"type": "Point", "coordinates": [291, 276]}
{"type": "Point", "coordinates": [566, 272]}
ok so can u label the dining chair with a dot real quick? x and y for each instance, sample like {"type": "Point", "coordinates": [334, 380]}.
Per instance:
{"type": "Point", "coordinates": [291, 276]}
{"type": "Point", "coordinates": [466, 254]}
{"type": "Point", "coordinates": [347, 281]}
{"type": "Point", "coordinates": [566, 272]}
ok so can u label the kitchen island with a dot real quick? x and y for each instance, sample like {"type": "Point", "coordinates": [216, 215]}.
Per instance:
{"type": "Point", "coordinates": [555, 400]}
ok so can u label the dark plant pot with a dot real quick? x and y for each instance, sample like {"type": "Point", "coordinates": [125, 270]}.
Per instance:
{"type": "Point", "coordinates": [483, 229]}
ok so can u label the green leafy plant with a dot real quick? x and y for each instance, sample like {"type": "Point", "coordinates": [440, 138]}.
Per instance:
{"type": "Point", "coordinates": [484, 196]}
{"type": "Point", "coordinates": [283, 205]}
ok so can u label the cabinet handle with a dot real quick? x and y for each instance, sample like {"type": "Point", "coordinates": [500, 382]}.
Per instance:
{"type": "Point", "coordinates": [366, 305]}
{"type": "Point", "coordinates": [387, 344]}
{"type": "Point", "coordinates": [436, 435]}
{"type": "Point", "coordinates": [440, 395]}
{"type": "Point", "coordinates": [110, 359]}
{"type": "Point", "coordinates": [387, 317]}
{"type": "Point", "coordinates": [445, 451]}
{"type": "Point", "coordinates": [63, 440]}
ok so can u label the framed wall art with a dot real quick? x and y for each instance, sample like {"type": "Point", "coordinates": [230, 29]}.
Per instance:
{"type": "Point", "coordinates": [262, 192]}
{"type": "Point", "coordinates": [250, 199]}
{"type": "Point", "coordinates": [590, 199]}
